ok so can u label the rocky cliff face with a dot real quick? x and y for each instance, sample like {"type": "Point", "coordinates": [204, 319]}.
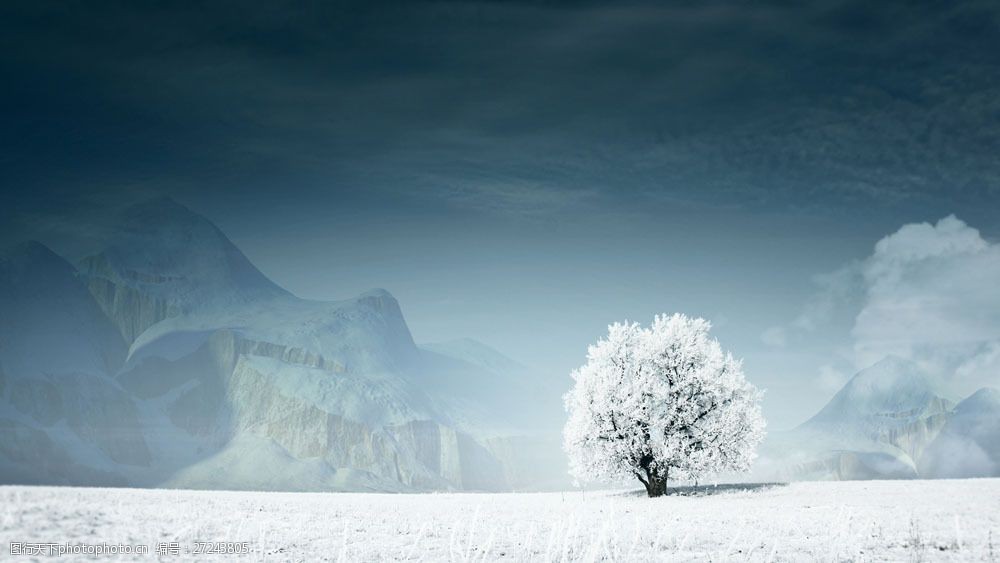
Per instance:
{"type": "Point", "coordinates": [190, 368]}
{"type": "Point", "coordinates": [129, 309]}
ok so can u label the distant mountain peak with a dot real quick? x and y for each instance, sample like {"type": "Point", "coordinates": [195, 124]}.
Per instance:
{"type": "Point", "coordinates": [892, 361]}
{"type": "Point", "coordinates": [889, 374]}
{"type": "Point", "coordinates": [163, 260]}
{"type": "Point", "coordinates": [162, 248]}
{"type": "Point", "coordinates": [30, 251]}
{"type": "Point", "coordinates": [892, 387]}
{"type": "Point", "coordinates": [24, 248]}
{"type": "Point", "coordinates": [377, 294]}
{"type": "Point", "coordinates": [165, 217]}
{"type": "Point", "coordinates": [987, 398]}
{"type": "Point", "coordinates": [34, 263]}
{"type": "Point", "coordinates": [475, 352]}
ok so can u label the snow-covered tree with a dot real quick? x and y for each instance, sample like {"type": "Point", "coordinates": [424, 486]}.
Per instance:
{"type": "Point", "coordinates": [661, 402]}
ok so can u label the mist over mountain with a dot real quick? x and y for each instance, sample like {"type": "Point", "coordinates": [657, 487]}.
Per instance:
{"type": "Point", "coordinates": [969, 443]}
{"type": "Point", "coordinates": [891, 420]}
{"type": "Point", "coordinates": [168, 359]}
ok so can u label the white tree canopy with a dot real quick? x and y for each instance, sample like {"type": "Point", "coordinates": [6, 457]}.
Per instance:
{"type": "Point", "coordinates": [661, 402]}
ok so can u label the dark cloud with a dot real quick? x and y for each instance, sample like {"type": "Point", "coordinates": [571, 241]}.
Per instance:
{"type": "Point", "coordinates": [509, 105]}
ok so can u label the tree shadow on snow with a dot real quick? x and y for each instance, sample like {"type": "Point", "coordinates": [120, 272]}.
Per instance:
{"type": "Point", "coordinates": [708, 490]}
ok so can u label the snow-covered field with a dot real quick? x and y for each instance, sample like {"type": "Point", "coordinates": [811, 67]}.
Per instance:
{"type": "Point", "coordinates": [955, 520]}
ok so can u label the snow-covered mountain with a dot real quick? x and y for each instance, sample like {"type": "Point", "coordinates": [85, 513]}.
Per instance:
{"type": "Point", "coordinates": [59, 408]}
{"type": "Point", "coordinates": [167, 358]}
{"type": "Point", "coordinates": [969, 443]}
{"type": "Point", "coordinates": [50, 322]}
{"type": "Point", "coordinates": [890, 420]}
{"type": "Point", "coordinates": [163, 261]}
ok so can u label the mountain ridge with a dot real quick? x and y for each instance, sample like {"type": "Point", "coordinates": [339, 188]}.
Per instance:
{"type": "Point", "coordinates": [887, 421]}
{"type": "Point", "coordinates": [223, 364]}
{"type": "Point", "coordinates": [969, 443]}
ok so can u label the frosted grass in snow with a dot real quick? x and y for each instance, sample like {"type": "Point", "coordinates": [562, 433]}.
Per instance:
{"type": "Point", "coordinates": [954, 520]}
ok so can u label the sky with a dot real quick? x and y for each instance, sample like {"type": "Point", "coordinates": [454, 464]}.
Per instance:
{"type": "Point", "coordinates": [817, 178]}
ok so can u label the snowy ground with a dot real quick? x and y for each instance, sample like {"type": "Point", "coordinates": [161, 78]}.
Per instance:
{"type": "Point", "coordinates": [863, 521]}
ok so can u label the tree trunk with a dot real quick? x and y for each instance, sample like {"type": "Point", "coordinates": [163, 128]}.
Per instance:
{"type": "Point", "coordinates": [656, 486]}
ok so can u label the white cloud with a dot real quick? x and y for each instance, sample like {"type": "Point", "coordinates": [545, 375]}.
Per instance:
{"type": "Point", "coordinates": [931, 296]}
{"type": "Point", "coordinates": [928, 293]}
